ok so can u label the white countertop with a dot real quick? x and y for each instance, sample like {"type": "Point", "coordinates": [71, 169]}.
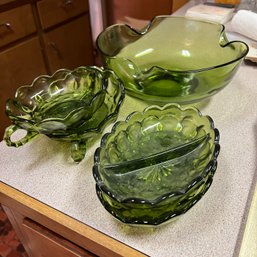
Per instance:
{"type": "Point", "coordinates": [213, 227]}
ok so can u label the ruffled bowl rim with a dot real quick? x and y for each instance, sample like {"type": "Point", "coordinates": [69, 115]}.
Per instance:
{"type": "Point", "coordinates": [21, 120]}
{"type": "Point", "coordinates": [148, 28]}
{"type": "Point", "coordinates": [210, 167]}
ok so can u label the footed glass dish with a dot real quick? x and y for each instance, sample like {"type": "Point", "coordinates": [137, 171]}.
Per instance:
{"type": "Point", "coordinates": [157, 164]}
{"type": "Point", "coordinates": [173, 59]}
{"type": "Point", "coordinates": [71, 105]}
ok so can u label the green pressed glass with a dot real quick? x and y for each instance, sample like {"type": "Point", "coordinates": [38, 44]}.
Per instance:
{"type": "Point", "coordinates": [71, 105]}
{"type": "Point", "coordinates": [173, 59]}
{"type": "Point", "coordinates": [157, 164]}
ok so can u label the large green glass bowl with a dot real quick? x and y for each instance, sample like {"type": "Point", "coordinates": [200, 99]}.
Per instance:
{"type": "Point", "coordinates": [71, 105]}
{"type": "Point", "coordinates": [173, 59]}
{"type": "Point", "coordinates": [157, 164]}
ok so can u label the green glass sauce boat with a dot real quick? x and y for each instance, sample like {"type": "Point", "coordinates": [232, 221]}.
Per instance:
{"type": "Point", "coordinates": [71, 105]}
{"type": "Point", "coordinates": [157, 164]}
{"type": "Point", "coordinates": [173, 59]}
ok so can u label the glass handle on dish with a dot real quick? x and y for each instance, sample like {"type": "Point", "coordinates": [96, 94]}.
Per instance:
{"type": "Point", "coordinates": [78, 150]}
{"type": "Point", "coordinates": [10, 130]}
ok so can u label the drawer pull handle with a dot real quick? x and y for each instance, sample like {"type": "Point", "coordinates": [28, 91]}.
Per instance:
{"type": "Point", "coordinates": [55, 48]}
{"type": "Point", "coordinates": [67, 3]}
{"type": "Point", "coordinates": [6, 25]}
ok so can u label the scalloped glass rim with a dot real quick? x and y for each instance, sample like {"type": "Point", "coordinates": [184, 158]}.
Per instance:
{"type": "Point", "coordinates": [211, 166]}
{"type": "Point", "coordinates": [61, 75]}
{"type": "Point", "coordinates": [15, 103]}
{"type": "Point", "coordinates": [158, 220]}
{"type": "Point", "coordinates": [148, 28]}
{"type": "Point", "coordinates": [173, 59]}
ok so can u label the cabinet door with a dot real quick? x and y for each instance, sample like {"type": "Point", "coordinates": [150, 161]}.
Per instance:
{"type": "Point", "coordinates": [70, 45]}
{"type": "Point", "coordinates": [45, 243]}
{"type": "Point", "coordinates": [39, 241]}
{"type": "Point", "coordinates": [19, 65]}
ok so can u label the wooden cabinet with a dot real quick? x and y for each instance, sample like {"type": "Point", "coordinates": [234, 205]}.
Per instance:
{"type": "Point", "coordinates": [176, 4]}
{"type": "Point", "coordinates": [46, 232]}
{"type": "Point", "coordinates": [18, 67]}
{"type": "Point", "coordinates": [38, 37]}
{"type": "Point", "coordinates": [52, 12]}
{"type": "Point", "coordinates": [21, 58]}
{"type": "Point", "coordinates": [122, 11]}
{"type": "Point", "coordinates": [40, 241]}
{"type": "Point", "coordinates": [138, 9]}
{"type": "Point", "coordinates": [62, 44]}
{"type": "Point", "coordinates": [46, 243]}
{"type": "Point", "coordinates": [66, 33]}
{"type": "Point", "coordinates": [16, 23]}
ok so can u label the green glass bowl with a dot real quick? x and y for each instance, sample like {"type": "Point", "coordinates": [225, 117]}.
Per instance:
{"type": "Point", "coordinates": [173, 59]}
{"type": "Point", "coordinates": [71, 105]}
{"type": "Point", "coordinates": [157, 164]}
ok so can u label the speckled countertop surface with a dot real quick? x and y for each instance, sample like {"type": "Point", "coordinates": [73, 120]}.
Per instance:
{"type": "Point", "coordinates": [213, 227]}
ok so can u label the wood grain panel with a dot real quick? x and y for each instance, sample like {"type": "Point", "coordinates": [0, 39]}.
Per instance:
{"type": "Point", "coordinates": [45, 243]}
{"type": "Point", "coordinates": [73, 230]}
{"type": "Point", "coordinates": [177, 4]}
{"type": "Point", "coordinates": [70, 46]}
{"type": "Point", "coordinates": [15, 24]}
{"type": "Point", "coordinates": [52, 12]}
{"type": "Point", "coordinates": [138, 9]}
{"type": "Point", "coordinates": [19, 65]}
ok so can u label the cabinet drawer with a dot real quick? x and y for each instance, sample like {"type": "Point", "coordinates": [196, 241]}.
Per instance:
{"type": "Point", "coordinates": [45, 243]}
{"type": "Point", "coordinates": [19, 65]}
{"type": "Point", "coordinates": [70, 45]}
{"type": "Point", "coordinates": [52, 12]}
{"type": "Point", "coordinates": [15, 24]}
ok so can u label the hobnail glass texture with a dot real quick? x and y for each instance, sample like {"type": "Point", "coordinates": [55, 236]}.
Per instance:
{"type": "Point", "coordinates": [71, 105]}
{"type": "Point", "coordinates": [173, 59]}
{"type": "Point", "coordinates": [157, 164]}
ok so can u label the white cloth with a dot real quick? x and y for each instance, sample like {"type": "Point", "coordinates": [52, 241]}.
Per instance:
{"type": "Point", "coordinates": [210, 13]}
{"type": "Point", "coordinates": [245, 23]}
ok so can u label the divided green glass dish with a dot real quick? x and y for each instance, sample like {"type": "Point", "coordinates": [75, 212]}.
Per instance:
{"type": "Point", "coordinates": [173, 59]}
{"type": "Point", "coordinates": [156, 164]}
{"type": "Point", "coordinates": [71, 105]}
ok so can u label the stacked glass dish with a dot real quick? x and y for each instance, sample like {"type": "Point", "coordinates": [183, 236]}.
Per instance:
{"type": "Point", "coordinates": [157, 164]}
